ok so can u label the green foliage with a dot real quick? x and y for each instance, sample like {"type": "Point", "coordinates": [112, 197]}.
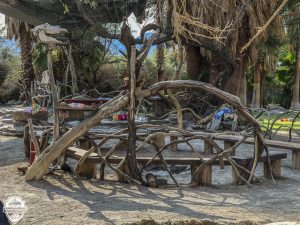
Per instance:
{"type": "Point", "coordinates": [12, 64]}
{"type": "Point", "coordinates": [286, 67]}
{"type": "Point", "coordinates": [90, 53]}
{"type": "Point", "coordinates": [278, 89]}
{"type": "Point", "coordinates": [39, 58]}
{"type": "Point", "coordinates": [291, 17]}
{"type": "Point", "coordinates": [169, 66]}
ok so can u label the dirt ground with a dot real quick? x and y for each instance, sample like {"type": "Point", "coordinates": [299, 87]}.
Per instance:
{"type": "Point", "coordinates": [62, 199]}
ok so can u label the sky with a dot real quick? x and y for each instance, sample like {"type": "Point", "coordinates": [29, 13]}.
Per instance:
{"type": "Point", "coordinates": [1, 19]}
{"type": "Point", "coordinates": [8, 43]}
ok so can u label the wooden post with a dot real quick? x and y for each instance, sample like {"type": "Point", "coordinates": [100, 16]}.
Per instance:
{"type": "Point", "coordinates": [235, 177]}
{"type": "Point", "coordinates": [228, 144]}
{"type": "Point", "coordinates": [296, 159]}
{"type": "Point", "coordinates": [276, 169]}
{"type": "Point", "coordinates": [174, 146]}
{"type": "Point", "coordinates": [54, 95]}
{"type": "Point", "coordinates": [204, 177]}
{"type": "Point", "coordinates": [122, 168]}
{"type": "Point", "coordinates": [208, 149]}
{"type": "Point", "coordinates": [73, 72]}
{"type": "Point", "coordinates": [131, 155]}
{"type": "Point", "coordinates": [159, 140]}
{"type": "Point", "coordinates": [88, 170]}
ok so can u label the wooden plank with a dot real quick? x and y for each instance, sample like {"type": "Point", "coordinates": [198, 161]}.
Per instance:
{"type": "Point", "coordinates": [87, 101]}
{"type": "Point", "coordinates": [242, 160]}
{"type": "Point", "coordinates": [77, 153]}
{"type": "Point", "coordinates": [66, 107]}
{"type": "Point", "coordinates": [270, 143]}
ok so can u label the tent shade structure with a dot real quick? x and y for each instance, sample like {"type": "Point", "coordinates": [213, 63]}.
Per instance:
{"type": "Point", "coordinates": [37, 12]}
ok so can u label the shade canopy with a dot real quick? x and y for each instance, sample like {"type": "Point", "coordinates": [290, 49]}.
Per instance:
{"type": "Point", "coordinates": [66, 14]}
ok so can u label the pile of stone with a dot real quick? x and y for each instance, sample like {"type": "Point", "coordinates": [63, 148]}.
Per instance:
{"type": "Point", "coordinates": [9, 127]}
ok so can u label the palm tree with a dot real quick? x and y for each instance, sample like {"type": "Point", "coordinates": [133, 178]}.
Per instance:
{"type": "Point", "coordinates": [296, 91]}
{"type": "Point", "coordinates": [292, 22]}
{"type": "Point", "coordinates": [21, 31]}
{"type": "Point", "coordinates": [267, 56]}
{"type": "Point", "coordinates": [216, 32]}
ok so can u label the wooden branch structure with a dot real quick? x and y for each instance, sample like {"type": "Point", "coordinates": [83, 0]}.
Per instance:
{"type": "Point", "coordinates": [127, 167]}
{"type": "Point", "coordinates": [57, 148]}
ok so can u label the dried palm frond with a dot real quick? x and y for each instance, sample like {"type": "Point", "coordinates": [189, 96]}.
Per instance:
{"type": "Point", "coordinates": [13, 27]}
{"type": "Point", "coordinates": [227, 24]}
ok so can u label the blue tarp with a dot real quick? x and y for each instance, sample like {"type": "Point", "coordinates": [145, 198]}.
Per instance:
{"type": "Point", "coordinates": [221, 112]}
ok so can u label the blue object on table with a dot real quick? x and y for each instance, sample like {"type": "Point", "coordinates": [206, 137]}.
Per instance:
{"type": "Point", "coordinates": [221, 112]}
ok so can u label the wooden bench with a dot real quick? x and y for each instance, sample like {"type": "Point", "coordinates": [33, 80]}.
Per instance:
{"type": "Point", "coordinates": [230, 140]}
{"type": "Point", "coordinates": [203, 178]}
{"type": "Point", "coordinates": [275, 159]}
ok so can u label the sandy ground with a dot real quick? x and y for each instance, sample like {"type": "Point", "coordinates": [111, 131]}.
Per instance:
{"type": "Point", "coordinates": [62, 199]}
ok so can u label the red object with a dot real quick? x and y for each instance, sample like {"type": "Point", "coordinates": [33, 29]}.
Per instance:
{"type": "Point", "coordinates": [122, 117]}
{"type": "Point", "coordinates": [32, 152]}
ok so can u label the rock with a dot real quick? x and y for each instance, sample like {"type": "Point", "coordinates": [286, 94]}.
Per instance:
{"type": "Point", "coordinates": [151, 180]}
{"type": "Point", "coordinates": [7, 121]}
{"type": "Point", "coordinates": [13, 102]}
{"type": "Point", "coordinates": [21, 116]}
